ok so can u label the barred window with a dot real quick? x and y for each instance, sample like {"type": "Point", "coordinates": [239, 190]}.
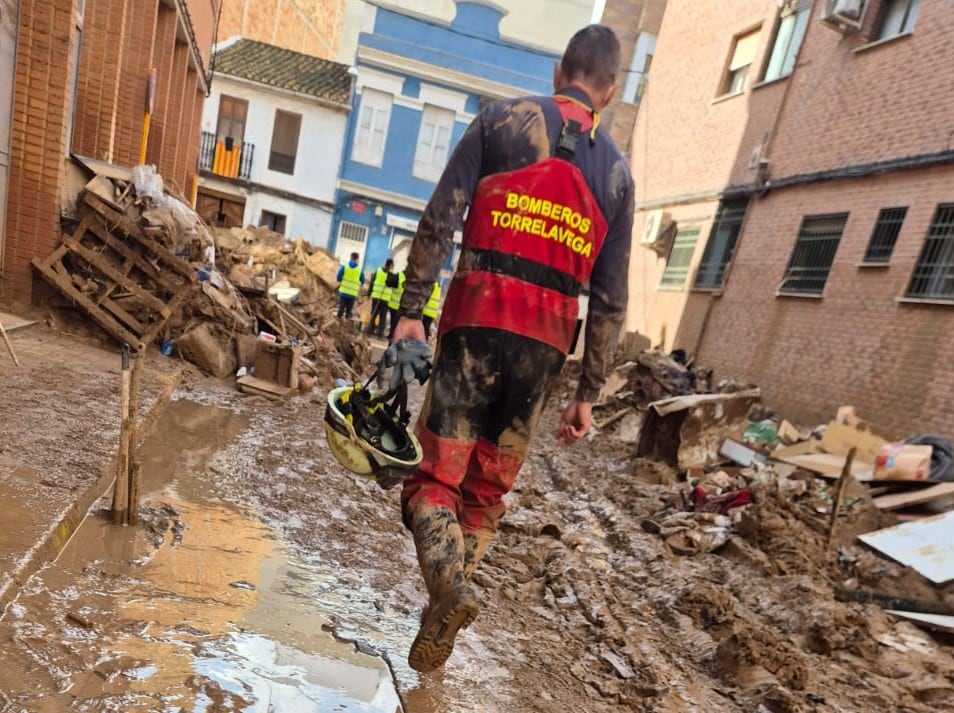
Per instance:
{"type": "Point", "coordinates": [719, 249]}
{"type": "Point", "coordinates": [885, 234]}
{"type": "Point", "coordinates": [813, 255]}
{"type": "Point", "coordinates": [934, 272]}
{"type": "Point", "coordinates": [680, 259]}
{"type": "Point", "coordinates": [353, 231]}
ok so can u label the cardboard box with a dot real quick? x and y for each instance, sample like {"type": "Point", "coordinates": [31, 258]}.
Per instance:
{"type": "Point", "coordinates": [900, 461]}
{"type": "Point", "coordinates": [277, 363]}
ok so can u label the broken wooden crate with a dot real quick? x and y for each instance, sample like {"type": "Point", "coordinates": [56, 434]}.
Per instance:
{"type": "Point", "coordinates": [125, 280]}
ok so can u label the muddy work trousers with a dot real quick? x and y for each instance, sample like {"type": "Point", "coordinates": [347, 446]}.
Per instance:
{"type": "Point", "coordinates": [483, 403]}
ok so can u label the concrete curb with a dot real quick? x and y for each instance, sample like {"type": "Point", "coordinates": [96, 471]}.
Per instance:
{"type": "Point", "coordinates": [51, 544]}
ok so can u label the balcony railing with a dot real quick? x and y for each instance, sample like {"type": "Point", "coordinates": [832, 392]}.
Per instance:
{"type": "Point", "coordinates": [225, 157]}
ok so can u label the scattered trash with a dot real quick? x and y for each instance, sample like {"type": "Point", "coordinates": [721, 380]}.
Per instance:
{"type": "Point", "coordinates": [926, 545]}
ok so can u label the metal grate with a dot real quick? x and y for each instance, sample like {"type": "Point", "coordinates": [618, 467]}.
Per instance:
{"type": "Point", "coordinates": [934, 272]}
{"type": "Point", "coordinates": [814, 253]}
{"type": "Point", "coordinates": [353, 232]}
{"type": "Point", "coordinates": [680, 258]}
{"type": "Point", "coordinates": [719, 249]}
{"type": "Point", "coordinates": [885, 234]}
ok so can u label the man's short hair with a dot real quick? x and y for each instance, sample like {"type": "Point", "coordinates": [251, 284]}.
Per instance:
{"type": "Point", "coordinates": [592, 57]}
{"type": "Point", "coordinates": [389, 263]}
{"type": "Point", "coordinates": [354, 256]}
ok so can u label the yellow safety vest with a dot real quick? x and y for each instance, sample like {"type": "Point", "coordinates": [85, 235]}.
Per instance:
{"type": "Point", "coordinates": [430, 309]}
{"type": "Point", "coordinates": [394, 301]}
{"type": "Point", "coordinates": [350, 281]}
{"type": "Point", "coordinates": [379, 290]}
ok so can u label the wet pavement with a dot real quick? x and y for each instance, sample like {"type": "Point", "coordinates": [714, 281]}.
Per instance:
{"type": "Point", "coordinates": [203, 608]}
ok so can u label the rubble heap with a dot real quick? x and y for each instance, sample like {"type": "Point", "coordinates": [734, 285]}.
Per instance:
{"type": "Point", "coordinates": [142, 264]}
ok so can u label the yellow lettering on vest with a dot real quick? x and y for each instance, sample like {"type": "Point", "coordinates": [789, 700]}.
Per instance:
{"type": "Point", "coordinates": [495, 216]}
{"type": "Point", "coordinates": [525, 222]}
{"type": "Point", "coordinates": [588, 250]}
{"type": "Point", "coordinates": [506, 219]}
{"type": "Point", "coordinates": [512, 200]}
{"type": "Point", "coordinates": [575, 220]}
{"type": "Point", "coordinates": [523, 202]}
{"type": "Point", "coordinates": [537, 227]}
{"type": "Point", "coordinates": [585, 226]}
{"type": "Point", "coordinates": [535, 204]}
{"type": "Point", "coordinates": [554, 233]}
{"type": "Point", "coordinates": [545, 208]}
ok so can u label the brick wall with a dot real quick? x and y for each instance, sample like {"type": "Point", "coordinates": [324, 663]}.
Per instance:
{"type": "Point", "coordinates": [37, 139]}
{"type": "Point", "coordinates": [857, 344]}
{"type": "Point", "coordinates": [309, 26]}
{"type": "Point", "coordinates": [134, 76]}
{"type": "Point", "coordinates": [97, 91]}
{"type": "Point", "coordinates": [888, 101]}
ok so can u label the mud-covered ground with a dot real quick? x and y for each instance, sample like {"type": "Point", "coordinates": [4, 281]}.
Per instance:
{"type": "Point", "coordinates": [583, 609]}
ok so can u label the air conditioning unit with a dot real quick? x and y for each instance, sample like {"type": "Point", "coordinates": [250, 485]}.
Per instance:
{"type": "Point", "coordinates": [845, 15]}
{"type": "Point", "coordinates": [654, 221]}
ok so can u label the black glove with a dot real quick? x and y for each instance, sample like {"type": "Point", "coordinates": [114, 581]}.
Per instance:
{"type": "Point", "coordinates": [409, 358]}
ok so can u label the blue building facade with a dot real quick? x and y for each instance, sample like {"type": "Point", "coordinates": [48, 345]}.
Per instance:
{"type": "Point", "coordinates": [419, 83]}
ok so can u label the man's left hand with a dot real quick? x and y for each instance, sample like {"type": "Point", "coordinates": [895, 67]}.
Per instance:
{"type": "Point", "coordinates": [575, 423]}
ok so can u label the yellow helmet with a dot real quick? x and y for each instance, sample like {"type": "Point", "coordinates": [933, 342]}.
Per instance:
{"type": "Point", "coordinates": [368, 438]}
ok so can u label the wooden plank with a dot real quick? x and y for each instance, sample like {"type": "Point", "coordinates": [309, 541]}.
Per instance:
{"type": "Point", "coordinates": [839, 439]}
{"type": "Point", "coordinates": [260, 387]}
{"type": "Point", "coordinates": [828, 465]}
{"type": "Point", "coordinates": [117, 311]}
{"type": "Point", "coordinates": [99, 262]}
{"type": "Point", "coordinates": [104, 320]}
{"type": "Point", "coordinates": [148, 268]}
{"type": "Point", "coordinates": [914, 497]}
{"type": "Point", "coordinates": [115, 219]}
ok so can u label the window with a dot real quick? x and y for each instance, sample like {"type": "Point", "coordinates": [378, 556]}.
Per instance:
{"type": "Point", "coordinates": [788, 39]}
{"type": "Point", "coordinates": [353, 231]}
{"type": "Point", "coordinates": [433, 142]}
{"type": "Point", "coordinates": [273, 221]}
{"type": "Point", "coordinates": [635, 82]}
{"type": "Point", "coordinates": [232, 115]}
{"type": "Point", "coordinates": [284, 141]}
{"type": "Point", "coordinates": [680, 258]}
{"type": "Point", "coordinates": [372, 130]}
{"type": "Point", "coordinates": [934, 272]}
{"type": "Point", "coordinates": [814, 253]}
{"type": "Point", "coordinates": [722, 239]}
{"type": "Point", "coordinates": [885, 235]}
{"type": "Point", "coordinates": [743, 54]}
{"type": "Point", "coordinates": [897, 18]}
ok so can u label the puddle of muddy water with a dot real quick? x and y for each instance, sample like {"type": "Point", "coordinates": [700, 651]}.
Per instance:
{"type": "Point", "coordinates": [199, 610]}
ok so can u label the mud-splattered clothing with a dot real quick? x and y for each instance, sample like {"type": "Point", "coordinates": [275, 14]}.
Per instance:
{"type": "Point", "coordinates": [511, 135]}
{"type": "Point", "coordinates": [538, 229]}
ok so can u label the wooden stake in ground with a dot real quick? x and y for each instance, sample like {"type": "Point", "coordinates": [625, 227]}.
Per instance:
{"type": "Point", "coordinates": [132, 461]}
{"type": "Point", "coordinates": [121, 488]}
{"type": "Point", "coordinates": [6, 340]}
{"type": "Point", "coordinates": [839, 494]}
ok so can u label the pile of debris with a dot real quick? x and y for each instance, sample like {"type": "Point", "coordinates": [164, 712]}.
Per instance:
{"type": "Point", "coordinates": [142, 264]}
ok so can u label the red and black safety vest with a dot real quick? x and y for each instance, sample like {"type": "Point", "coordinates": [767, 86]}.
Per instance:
{"type": "Point", "coordinates": [530, 242]}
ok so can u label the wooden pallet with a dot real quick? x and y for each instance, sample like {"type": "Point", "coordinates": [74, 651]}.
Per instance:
{"type": "Point", "coordinates": [126, 281]}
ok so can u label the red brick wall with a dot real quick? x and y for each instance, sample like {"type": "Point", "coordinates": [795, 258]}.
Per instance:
{"type": "Point", "coordinates": [858, 345]}
{"type": "Point", "coordinates": [97, 91]}
{"type": "Point", "coordinates": [889, 101]}
{"type": "Point", "coordinates": [134, 76]}
{"type": "Point", "coordinates": [162, 139]}
{"type": "Point", "coordinates": [37, 139]}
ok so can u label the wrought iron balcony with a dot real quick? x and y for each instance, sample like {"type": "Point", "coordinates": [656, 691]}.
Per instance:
{"type": "Point", "coordinates": [225, 157]}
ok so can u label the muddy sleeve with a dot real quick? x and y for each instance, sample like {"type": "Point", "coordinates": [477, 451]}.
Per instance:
{"type": "Point", "coordinates": [609, 290]}
{"type": "Point", "coordinates": [443, 215]}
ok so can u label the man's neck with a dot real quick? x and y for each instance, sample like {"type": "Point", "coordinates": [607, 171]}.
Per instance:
{"type": "Point", "coordinates": [582, 88]}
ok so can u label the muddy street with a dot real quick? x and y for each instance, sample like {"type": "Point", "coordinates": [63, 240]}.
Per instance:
{"type": "Point", "coordinates": [265, 578]}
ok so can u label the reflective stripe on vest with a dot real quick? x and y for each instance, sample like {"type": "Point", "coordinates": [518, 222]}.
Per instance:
{"type": "Point", "coordinates": [394, 301]}
{"type": "Point", "coordinates": [378, 287]}
{"type": "Point", "coordinates": [350, 281]}
{"type": "Point", "coordinates": [433, 302]}
{"type": "Point", "coordinates": [531, 239]}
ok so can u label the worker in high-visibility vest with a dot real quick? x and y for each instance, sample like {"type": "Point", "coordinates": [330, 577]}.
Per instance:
{"type": "Point", "coordinates": [429, 313]}
{"type": "Point", "coordinates": [380, 294]}
{"type": "Point", "coordinates": [350, 279]}
{"type": "Point", "coordinates": [396, 283]}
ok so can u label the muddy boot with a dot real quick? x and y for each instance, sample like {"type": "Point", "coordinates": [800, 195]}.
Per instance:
{"type": "Point", "coordinates": [452, 605]}
{"type": "Point", "coordinates": [476, 545]}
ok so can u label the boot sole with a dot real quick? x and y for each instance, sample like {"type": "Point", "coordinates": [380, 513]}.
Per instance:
{"type": "Point", "coordinates": [435, 641]}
